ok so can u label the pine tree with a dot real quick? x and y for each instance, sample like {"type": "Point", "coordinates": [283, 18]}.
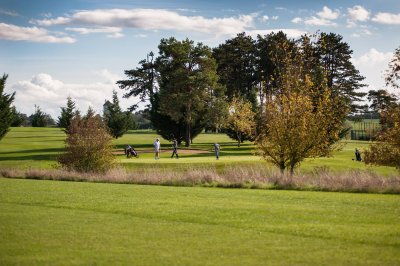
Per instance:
{"type": "Point", "coordinates": [343, 78]}
{"type": "Point", "coordinates": [188, 80]}
{"type": "Point", "coordinates": [6, 115]}
{"type": "Point", "coordinates": [117, 121]}
{"type": "Point", "coordinates": [67, 113]}
{"type": "Point", "coordinates": [38, 119]}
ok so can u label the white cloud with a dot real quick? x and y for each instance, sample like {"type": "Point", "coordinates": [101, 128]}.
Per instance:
{"type": "Point", "coordinates": [95, 30]}
{"type": "Point", "coordinates": [291, 33]}
{"type": "Point", "coordinates": [140, 35]}
{"type": "Point", "coordinates": [114, 32]}
{"type": "Point", "coordinates": [387, 18]}
{"type": "Point", "coordinates": [50, 94]}
{"type": "Point", "coordinates": [297, 20]}
{"type": "Point", "coordinates": [264, 18]}
{"type": "Point", "coordinates": [358, 13]}
{"type": "Point", "coordinates": [9, 13]}
{"type": "Point", "coordinates": [372, 65]}
{"type": "Point", "coordinates": [327, 13]}
{"type": "Point", "coordinates": [52, 21]}
{"type": "Point", "coordinates": [372, 57]}
{"type": "Point", "coordinates": [323, 18]}
{"type": "Point", "coordinates": [314, 21]}
{"type": "Point", "coordinates": [154, 19]}
{"type": "Point", "coordinates": [275, 17]}
{"type": "Point", "coordinates": [33, 34]}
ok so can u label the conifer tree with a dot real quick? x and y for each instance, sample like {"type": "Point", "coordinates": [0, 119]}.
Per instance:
{"type": "Point", "coordinates": [117, 121]}
{"type": "Point", "coordinates": [6, 115]}
{"type": "Point", "coordinates": [67, 113]}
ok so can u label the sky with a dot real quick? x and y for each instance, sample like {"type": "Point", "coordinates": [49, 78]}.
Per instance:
{"type": "Point", "coordinates": [52, 49]}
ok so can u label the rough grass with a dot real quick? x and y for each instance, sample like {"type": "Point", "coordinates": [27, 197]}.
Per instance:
{"type": "Point", "coordinates": [230, 177]}
{"type": "Point", "coordinates": [64, 223]}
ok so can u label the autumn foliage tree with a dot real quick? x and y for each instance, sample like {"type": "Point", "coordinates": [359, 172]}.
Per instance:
{"type": "Point", "coordinates": [241, 119]}
{"type": "Point", "coordinates": [304, 117]}
{"type": "Point", "coordinates": [296, 129]}
{"type": "Point", "coordinates": [386, 151]}
{"type": "Point", "coordinates": [88, 145]}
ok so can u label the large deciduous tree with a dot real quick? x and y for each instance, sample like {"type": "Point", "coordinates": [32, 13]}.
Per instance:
{"type": "Point", "coordinates": [6, 114]}
{"type": "Point", "coordinates": [188, 81]}
{"type": "Point", "coordinates": [301, 117]}
{"type": "Point", "coordinates": [296, 129]}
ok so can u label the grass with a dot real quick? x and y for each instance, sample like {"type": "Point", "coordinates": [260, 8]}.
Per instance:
{"type": "Point", "coordinates": [49, 222]}
{"type": "Point", "coordinates": [25, 148]}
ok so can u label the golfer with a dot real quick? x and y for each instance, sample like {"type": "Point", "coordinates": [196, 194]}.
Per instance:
{"type": "Point", "coordinates": [216, 149]}
{"type": "Point", "coordinates": [157, 147]}
{"type": "Point", "coordinates": [175, 149]}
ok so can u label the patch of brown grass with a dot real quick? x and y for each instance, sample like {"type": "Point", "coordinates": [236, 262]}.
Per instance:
{"type": "Point", "coordinates": [232, 177]}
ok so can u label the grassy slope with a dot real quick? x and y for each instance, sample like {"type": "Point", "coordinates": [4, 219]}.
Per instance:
{"type": "Point", "coordinates": [38, 148]}
{"type": "Point", "coordinates": [48, 222]}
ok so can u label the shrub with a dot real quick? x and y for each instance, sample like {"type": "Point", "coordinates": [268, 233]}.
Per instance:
{"type": "Point", "coordinates": [88, 146]}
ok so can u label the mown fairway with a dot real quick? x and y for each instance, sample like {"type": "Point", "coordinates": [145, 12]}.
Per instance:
{"type": "Point", "coordinates": [39, 147]}
{"type": "Point", "coordinates": [50, 222]}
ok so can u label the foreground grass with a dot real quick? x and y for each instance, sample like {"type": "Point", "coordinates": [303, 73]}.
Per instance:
{"type": "Point", "coordinates": [48, 222]}
{"type": "Point", "coordinates": [25, 148]}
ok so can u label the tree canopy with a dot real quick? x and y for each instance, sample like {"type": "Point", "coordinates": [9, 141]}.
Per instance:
{"type": "Point", "coordinates": [117, 121]}
{"type": "Point", "coordinates": [6, 113]}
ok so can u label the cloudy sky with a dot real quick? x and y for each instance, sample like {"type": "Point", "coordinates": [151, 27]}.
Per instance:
{"type": "Point", "coordinates": [79, 48]}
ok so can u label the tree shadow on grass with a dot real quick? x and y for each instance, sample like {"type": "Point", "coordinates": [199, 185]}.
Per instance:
{"type": "Point", "coordinates": [35, 155]}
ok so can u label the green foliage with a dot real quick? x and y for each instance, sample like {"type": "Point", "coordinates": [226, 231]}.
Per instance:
{"type": "Point", "coordinates": [6, 112]}
{"type": "Point", "coordinates": [38, 118]}
{"type": "Point", "coordinates": [92, 223]}
{"type": "Point", "coordinates": [240, 120]}
{"type": "Point", "coordinates": [386, 151]}
{"type": "Point", "coordinates": [392, 75]}
{"type": "Point", "coordinates": [19, 119]}
{"type": "Point", "coordinates": [141, 81]}
{"type": "Point", "coordinates": [117, 121]}
{"type": "Point", "coordinates": [67, 113]}
{"type": "Point", "coordinates": [334, 55]}
{"type": "Point", "coordinates": [237, 67]}
{"type": "Point", "coordinates": [187, 82]}
{"type": "Point", "coordinates": [88, 145]}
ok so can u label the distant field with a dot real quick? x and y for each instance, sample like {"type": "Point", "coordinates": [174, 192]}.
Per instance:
{"type": "Point", "coordinates": [50, 222]}
{"type": "Point", "coordinates": [38, 148]}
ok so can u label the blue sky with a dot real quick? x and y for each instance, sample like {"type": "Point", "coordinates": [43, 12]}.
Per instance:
{"type": "Point", "coordinates": [55, 49]}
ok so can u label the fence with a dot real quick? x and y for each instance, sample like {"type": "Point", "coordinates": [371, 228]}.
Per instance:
{"type": "Point", "coordinates": [365, 130]}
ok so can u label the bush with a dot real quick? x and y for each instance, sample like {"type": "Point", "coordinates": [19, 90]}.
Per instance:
{"type": "Point", "coordinates": [88, 146]}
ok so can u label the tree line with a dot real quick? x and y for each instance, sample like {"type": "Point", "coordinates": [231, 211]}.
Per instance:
{"type": "Point", "coordinates": [290, 96]}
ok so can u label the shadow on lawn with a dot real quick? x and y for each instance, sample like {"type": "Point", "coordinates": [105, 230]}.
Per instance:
{"type": "Point", "coordinates": [23, 155]}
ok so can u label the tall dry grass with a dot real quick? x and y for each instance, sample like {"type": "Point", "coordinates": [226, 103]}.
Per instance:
{"type": "Point", "coordinates": [231, 177]}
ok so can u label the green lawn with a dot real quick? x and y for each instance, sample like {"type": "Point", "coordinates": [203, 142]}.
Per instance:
{"type": "Point", "coordinates": [50, 222]}
{"type": "Point", "coordinates": [39, 147]}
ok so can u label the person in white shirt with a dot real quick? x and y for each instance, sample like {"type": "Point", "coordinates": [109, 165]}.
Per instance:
{"type": "Point", "coordinates": [157, 146]}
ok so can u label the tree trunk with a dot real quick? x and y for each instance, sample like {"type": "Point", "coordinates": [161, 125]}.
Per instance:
{"type": "Point", "coordinates": [187, 135]}
{"type": "Point", "coordinates": [238, 135]}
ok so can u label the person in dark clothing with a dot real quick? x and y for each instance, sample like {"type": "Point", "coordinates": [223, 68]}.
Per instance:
{"type": "Point", "coordinates": [175, 149]}
{"type": "Point", "coordinates": [216, 149]}
{"type": "Point", "coordinates": [358, 155]}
